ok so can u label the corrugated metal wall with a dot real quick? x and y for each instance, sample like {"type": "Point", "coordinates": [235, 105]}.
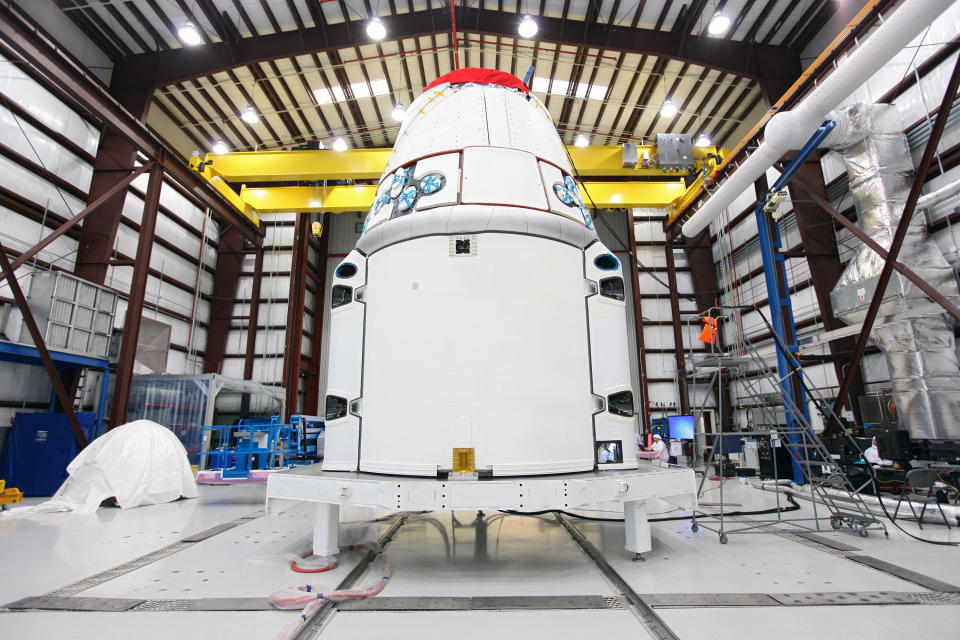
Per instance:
{"type": "Point", "coordinates": [46, 158]}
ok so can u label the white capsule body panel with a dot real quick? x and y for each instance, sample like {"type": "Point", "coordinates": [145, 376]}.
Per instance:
{"type": "Point", "coordinates": [484, 349]}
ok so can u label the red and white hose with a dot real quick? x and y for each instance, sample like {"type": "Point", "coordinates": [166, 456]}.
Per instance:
{"type": "Point", "coordinates": [311, 597]}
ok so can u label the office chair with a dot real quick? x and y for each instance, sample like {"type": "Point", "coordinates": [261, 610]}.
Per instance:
{"type": "Point", "coordinates": [921, 481]}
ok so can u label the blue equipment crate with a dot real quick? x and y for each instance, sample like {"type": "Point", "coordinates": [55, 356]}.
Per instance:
{"type": "Point", "coordinates": [38, 450]}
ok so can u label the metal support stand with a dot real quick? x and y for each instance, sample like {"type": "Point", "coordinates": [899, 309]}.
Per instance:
{"type": "Point", "coordinates": [637, 527]}
{"type": "Point", "coordinates": [325, 529]}
{"type": "Point", "coordinates": [631, 488]}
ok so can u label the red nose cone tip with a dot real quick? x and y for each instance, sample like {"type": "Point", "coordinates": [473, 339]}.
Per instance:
{"type": "Point", "coordinates": [481, 76]}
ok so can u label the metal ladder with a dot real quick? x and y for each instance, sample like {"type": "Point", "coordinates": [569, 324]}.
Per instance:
{"type": "Point", "coordinates": [78, 394]}
{"type": "Point", "coordinates": [828, 484]}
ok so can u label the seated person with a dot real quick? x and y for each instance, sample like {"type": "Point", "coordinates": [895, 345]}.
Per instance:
{"type": "Point", "coordinates": [872, 456]}
{"type": "Point", "coordinates": [658, 448]}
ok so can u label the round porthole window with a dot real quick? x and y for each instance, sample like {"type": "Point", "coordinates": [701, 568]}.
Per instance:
{"type": "Point", "coordinates": [347, 270]}
{"type": "Point", "coordinates": [606, 262]}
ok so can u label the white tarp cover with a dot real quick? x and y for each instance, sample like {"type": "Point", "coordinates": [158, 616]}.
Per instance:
{"type": "Point", "coordinates": [138, 463]}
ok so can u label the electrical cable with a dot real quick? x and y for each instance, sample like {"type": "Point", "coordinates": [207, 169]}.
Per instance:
{"type": "Point", "coordinates": [760, 512]}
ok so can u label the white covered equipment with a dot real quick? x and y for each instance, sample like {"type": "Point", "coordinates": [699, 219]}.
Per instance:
{"type": "Point", "coordinates": [138, 463]}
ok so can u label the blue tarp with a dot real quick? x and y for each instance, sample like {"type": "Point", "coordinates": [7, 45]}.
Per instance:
{"type": "Point", "coordinates": [38, 449]}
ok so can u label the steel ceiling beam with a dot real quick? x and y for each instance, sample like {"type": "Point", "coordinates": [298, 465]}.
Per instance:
{"type": "Point", "coordinates": [160, 68]}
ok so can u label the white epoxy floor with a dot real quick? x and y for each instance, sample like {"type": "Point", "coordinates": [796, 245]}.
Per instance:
{"type": "Point", "coordinates": [906, 621]}
{"type": "Point", "coordinates": [485, 625]}
{"type": "Point", "coordinates": [165, 625]}
{"type": "Point", "coordinates": [459, 554]}
{"type": "Point", "coordinates": [41, 552]}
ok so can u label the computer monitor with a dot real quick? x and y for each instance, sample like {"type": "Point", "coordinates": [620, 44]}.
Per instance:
{"type": "Point", "coordinates": [728, 443]}
{"type": "Point", "coordinates": [681, 427]}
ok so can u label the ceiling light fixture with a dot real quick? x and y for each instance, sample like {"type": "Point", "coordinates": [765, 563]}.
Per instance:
{"type": "Point", "coordinates": [399, 113]}
{"type": "Point", "coordinates": [250, 116]}
{"type": "Point", "coordinates": [719, 24]}
{"type": "Point", "coordinates": [220, 148]}
{"type": "Point", "coordinates": [189, 34]}
{"type": "Point", "coordinates": [528, 28]}
{"type": "Point", "coordinates": [581, 141]}
{"type": "Point", "coordinates": [339, 144]}
{"type": "Point", "coordinates": [376, 30]}
{"type": "Point", "coordinates": [668, 110]}
{"type": "Point", "coordinates": [703, 140]}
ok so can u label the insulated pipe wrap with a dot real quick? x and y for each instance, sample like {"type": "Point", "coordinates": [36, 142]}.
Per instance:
{"type": "Point", "coordinates": [790, 130]}
{"type": "Point", "coordinates": [916, 337]}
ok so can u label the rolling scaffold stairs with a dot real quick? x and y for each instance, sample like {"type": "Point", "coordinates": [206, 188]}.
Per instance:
{"type": "Point", "coordinates": [824, 481]}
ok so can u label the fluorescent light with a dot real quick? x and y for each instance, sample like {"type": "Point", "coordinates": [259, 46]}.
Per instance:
{"type": "Point", "coordinates": [668, 110]}
{"type": "Point", "coordinates": [339, 144]}
{"type": "Point", "coordinates": [323, 96]}
{"type": "Point", "coordinates": [359, 90]}
{"type": "Point", "coordinates": [314, 204]}
{"type": "Point", "coordinates": [581, 141]}
{"type": "Point", "coordinates": [250, 116]}
{"type": "Point", "coordinates": [561, 88]}
{"type": "Point", "coordinates": [189, 34]}
{"type": "Point", "coordinates": [220, 148]}
{"type": "Point", "coordinates": [528, 28]}
{"type": "Point", "coordinates": [362, 90]}
{"type": "Point", "coordinates": [597, 92]}
{"type": "Point", "coordinates": [718, 24]}
{"type": "Point", "coordinates": [376, 30]}
{"type": "Point", "coordinates": [399, 112]}
{"type": "Point", "coordinates": [703, 140]}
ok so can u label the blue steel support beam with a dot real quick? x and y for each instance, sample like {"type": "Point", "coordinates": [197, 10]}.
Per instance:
{"type": "Point", "coordinates": [778, 291]}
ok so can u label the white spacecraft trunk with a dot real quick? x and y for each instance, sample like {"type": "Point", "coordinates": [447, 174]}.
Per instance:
{"type": "Point", "coordinates": [479, 312]}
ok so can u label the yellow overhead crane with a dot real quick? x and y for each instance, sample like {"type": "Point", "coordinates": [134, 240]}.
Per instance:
{"type": "Point", "coordinates": [264, 167]}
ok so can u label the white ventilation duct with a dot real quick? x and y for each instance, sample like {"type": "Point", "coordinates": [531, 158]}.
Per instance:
{"type": "Point", "coordinates": [790, 130]}
{"type": "Point", "coordinates": [915, 335]}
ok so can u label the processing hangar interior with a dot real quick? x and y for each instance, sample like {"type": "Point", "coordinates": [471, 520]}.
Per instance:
{"type": "Point", "coordinates": [338, 319]}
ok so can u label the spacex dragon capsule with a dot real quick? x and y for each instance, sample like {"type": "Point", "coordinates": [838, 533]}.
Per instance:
{"type": "Point", "coordinates": [479, 325]}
